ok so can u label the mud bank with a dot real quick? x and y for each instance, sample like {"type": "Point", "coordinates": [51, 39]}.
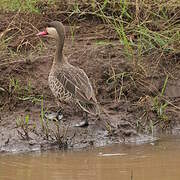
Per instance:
{"type": "Point", "coordinates": [130, 96]}
{"type": "Point", "coordinates": [64, 134]}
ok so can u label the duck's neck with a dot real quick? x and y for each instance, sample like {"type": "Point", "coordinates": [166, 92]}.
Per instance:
{"type": "Point", "coordinates": [59, 49]}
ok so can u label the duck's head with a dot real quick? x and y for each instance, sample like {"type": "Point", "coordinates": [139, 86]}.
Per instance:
{"type": "Point", "coordinates": [53, 30]}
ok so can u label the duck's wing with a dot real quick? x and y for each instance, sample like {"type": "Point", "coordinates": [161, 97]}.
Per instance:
{"type": "Point", "coordinates": [75, 81]}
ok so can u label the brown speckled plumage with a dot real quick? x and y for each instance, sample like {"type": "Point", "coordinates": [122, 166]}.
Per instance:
{"type": "Point", "coordinates": [67, 82]}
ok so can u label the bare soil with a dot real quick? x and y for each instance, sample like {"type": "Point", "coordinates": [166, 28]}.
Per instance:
{"type": "Point", "coordinates": [128, 99]}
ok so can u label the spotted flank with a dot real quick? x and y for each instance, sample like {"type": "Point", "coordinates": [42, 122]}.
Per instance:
{"type": "Point", "coordinates": [59, 90]}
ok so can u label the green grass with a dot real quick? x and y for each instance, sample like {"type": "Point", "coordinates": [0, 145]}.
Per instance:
{"type": "Point", "coordinates": [159, 104]}
{"type": "Point", "coordinates": [23, 124]}
{"type": "Point", "coordinates": [22, 5]}
{"type": "Point", "coordinates": [22, 91]}
{"type": "Point", "coordinates": [142, 26]}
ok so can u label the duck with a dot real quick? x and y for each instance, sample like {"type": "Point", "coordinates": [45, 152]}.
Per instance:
{"type": "Point", "coordinates": [68, 83]}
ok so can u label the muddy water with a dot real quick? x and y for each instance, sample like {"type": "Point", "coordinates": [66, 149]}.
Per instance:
{"type": "Point", "coordinates": [155, 161]}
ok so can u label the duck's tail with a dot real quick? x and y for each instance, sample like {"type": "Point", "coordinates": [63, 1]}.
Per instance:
{"type": "Point", "coordinates": [96, 109]}
{"type": "Point", "coordinates": [91, 108]}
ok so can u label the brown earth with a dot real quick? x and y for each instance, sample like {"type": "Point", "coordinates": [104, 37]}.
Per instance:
{"type": "Point", "coordinates": [126, 90]}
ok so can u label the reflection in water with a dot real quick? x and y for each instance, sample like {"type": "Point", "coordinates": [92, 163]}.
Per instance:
{"type": "Point", "coordinates": [145, 162]}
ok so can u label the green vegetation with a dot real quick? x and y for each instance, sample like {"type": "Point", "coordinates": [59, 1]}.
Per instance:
{"type": "Point", "coordinates": [22, 5]}
{"type": "Point", "coordinates": [22, 92]}
{"type": "Point", "coordinates": [23, 124]}
{"type": "Point", "coordinates": [142, 26]}
{"type": "Point", "coordinates": [160, 104]}
{"type": "Point", "coordinates": [26, 128]}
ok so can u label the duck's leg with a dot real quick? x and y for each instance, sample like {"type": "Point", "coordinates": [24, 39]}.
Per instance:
{"type": "Point", "coordinates": [53, 114]}
{"type": "Point", "coordinates": [59, 114]}
{"type": "Point", "coordinates": [84, 122]}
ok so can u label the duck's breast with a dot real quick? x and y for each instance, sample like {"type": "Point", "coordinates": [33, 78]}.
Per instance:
{"type": "Point", "coordinates": [58, 89]}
